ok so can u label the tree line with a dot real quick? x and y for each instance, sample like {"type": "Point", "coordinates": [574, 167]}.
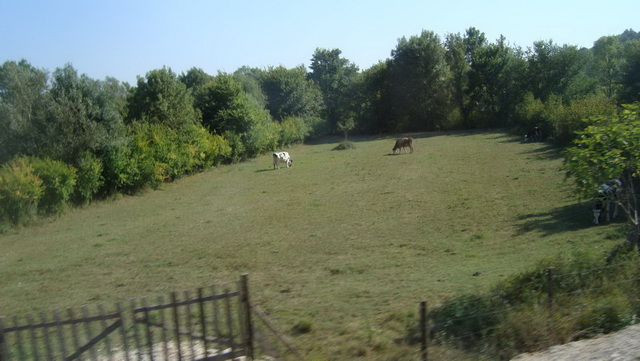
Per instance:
{"type": "Point", "coordinates": [68, 139]}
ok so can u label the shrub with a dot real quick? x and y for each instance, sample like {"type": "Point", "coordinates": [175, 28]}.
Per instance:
{"type": "Point", "coordinates": [591, 295]}
{"type": "Point", "coordinates": [89, 178]}
{"type": "Point", "coordinates": [128, 169]}
{"type": "Point", "coordinates": [531, 113]}
{"type": "Point", "coordinates": [206, 149]}
{"type": "Point", "coordinates": [292, 130]}
{"type": "Point", "coordinates": [261, 137]}
{"type": "Point", "coordinates": [20, 191]}
{"type": "Point", "coordinates": [238, 150]}
{"type": "Point", "coordinates": [317, 127]}
{"type": "Point", "coordinates": [345, 145]}
{"type": "Point", "coordinates": [58, 181]}
{"type": "Point", "coordinates": [302, 327]}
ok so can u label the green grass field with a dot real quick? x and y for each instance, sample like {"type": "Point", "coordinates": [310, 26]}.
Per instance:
{"type": "Point", "coordinates": [346, 241]}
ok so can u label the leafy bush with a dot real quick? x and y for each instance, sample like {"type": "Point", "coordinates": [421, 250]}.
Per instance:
{"type": "Point", "coordinates": [20, 191]}
{"type": "Point", "coordinates": [261, 137]}
{"type": "Point", "coordinates": [317, 126]}
{"type": "Point", "coordinates": [292, 130]}
{"type": "Point", "coordinates": [238, 150]}
{"type": "Point", "coordinates": [206, 149]}
{"type": "Point", "coordinates": [127, 169]}
{"type": "Point", "coordinates": [89, 178]}
{"type": "Point", "coordinates": [58, 181]}
{"type": "Point", "coordinates": [560, 121]}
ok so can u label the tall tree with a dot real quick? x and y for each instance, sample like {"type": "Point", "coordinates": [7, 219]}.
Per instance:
{"type": "Point", "coordinates": [84, 115]}
{"type": "Point", "coordinates": [607, 63]}
{"type": "Point", "coordinates": [226, 107]}
{"type": "Point", "coordinates": [459, 66]}
{"type": "Point", "coordinates": [195, 78]}
{"type": "Point", "coordinates": [555, 69]}
{"type": "Point", "coordinates": [290, 94]}
{"type": "Point", "coordinates": [160, 98]}
{"type": "Point", "coordinates": [631, 72]}
{"type": "Point", "coordinates": [374, 89]}
{"type": "Point", "coordinates": [335, 77]}
{"type": "Point", "coordinates": [23, 102]}
{"type": "Point", "coordinates": [420, 80]}
{"type": "Point", "coordinates": [495, 83]}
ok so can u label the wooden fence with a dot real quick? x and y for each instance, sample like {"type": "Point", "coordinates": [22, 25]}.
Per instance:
{"type": "Point", "coordinates": [214, 323]}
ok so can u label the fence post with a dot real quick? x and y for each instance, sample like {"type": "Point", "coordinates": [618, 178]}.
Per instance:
{"type": "Point", "coordinates": [550, 290]}
{"type": "Point", "coordinates": [423, 331]}
{"type": "Point", "coordinates": [244, 281]}
{"type": "Point", "coordinates": [550, 330]}
{"type": "Point", "coordinates": [3, 350]}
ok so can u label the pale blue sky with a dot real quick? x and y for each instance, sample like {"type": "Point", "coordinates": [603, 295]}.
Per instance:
{"type": "Point", "coordinates": [128, 38]}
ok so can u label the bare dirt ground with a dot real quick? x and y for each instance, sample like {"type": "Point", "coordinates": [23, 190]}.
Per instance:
{"type": "Point", "coordinates": [620, 346]}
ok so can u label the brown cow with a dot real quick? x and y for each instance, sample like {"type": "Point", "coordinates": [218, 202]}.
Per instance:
{"type": "Point", "coordinates": [402, 143]}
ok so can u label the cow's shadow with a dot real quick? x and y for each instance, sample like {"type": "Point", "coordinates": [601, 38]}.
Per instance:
{"type": "Point", "coordinates": [266, 170]}
{"type": "Point", "coordinates": [562, 219]}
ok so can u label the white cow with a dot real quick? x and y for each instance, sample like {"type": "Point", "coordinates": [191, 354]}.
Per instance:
{"type": "Point", "coordinates": [283, 157]}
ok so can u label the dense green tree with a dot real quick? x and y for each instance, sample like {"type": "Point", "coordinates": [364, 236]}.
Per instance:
{"type": "Point", "coordinates": [495, 84]}
{"type": "Point", "coordinates": [610, 148]}
{"type": "Point", "coordinates": [160, 98]}
{"type": "Point", "coordinates": [555, 69]}
{"type": "Point", "coordinates": [374, 89]}
{"type": "Point", "coordinates": [607, 63]}
{"type": "Point", "coordinates": [459, 67]}
{"type": "Point", "coordinates": [473, 41]}
{"type": "Point", "coordinates": [195, 78]}
{"type": "Point", "coordinates": [631, 72]}
{"type": "Point", "coordinates": [83, 115]}
{"type": "Point", "coordinates": [226, 107]}
{"type": "Point", "coordinates": [23, 104]}
{"type": "Point", "coordinates": [249, 78]}
{"type": "Point", "coordinates": [420, 79]}
{"type": "Point", "coordinates": [290, 94]}
{"type": "Point", "coordinates": [629, 35]}
{"type": "Point", "coordinates": [335, 76]}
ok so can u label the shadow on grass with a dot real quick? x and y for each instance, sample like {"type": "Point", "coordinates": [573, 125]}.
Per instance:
{"type": "Point", "coordinates": [546, 151]}
{"type": "Point", "coordinates": [266, 170]}
{"type": "Point", "coordinates": [395, 154]}
{"type": "Point", "coordinates": [567, 218]}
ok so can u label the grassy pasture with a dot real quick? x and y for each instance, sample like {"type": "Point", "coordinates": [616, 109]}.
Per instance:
{"type": "Point", "coordinates": [346, 242]}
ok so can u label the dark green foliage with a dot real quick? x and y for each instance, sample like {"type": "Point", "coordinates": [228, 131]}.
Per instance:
{"type": "Point", "coordinates": [495, 84]}
{"type": "Point", "coordinates": [195, 78]}
{"type": "Point", "coordinates": [23, 106]}
{"type": "Point", "coordinates": [58, 184]}
{"type": "Point", "coordinates": [335, 76]}
{"type": "Point", "coordinates": [20, 192]}
{"type": "Point", "coordinates": [161, 98]}
{"type": "Point", "coordinates": [560, 122]}
{"type": "Point", "coordinates": [630, 92]}
{"type": "Point", "coordinates": [289, 93]}
{"type": "Point", "coordinates": [419, 79]}
{"type": "Point", "coordinates": [84, 115]}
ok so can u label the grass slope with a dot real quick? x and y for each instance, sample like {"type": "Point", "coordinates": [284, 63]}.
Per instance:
{"type": "Point", "coordinates": [346, 241]}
